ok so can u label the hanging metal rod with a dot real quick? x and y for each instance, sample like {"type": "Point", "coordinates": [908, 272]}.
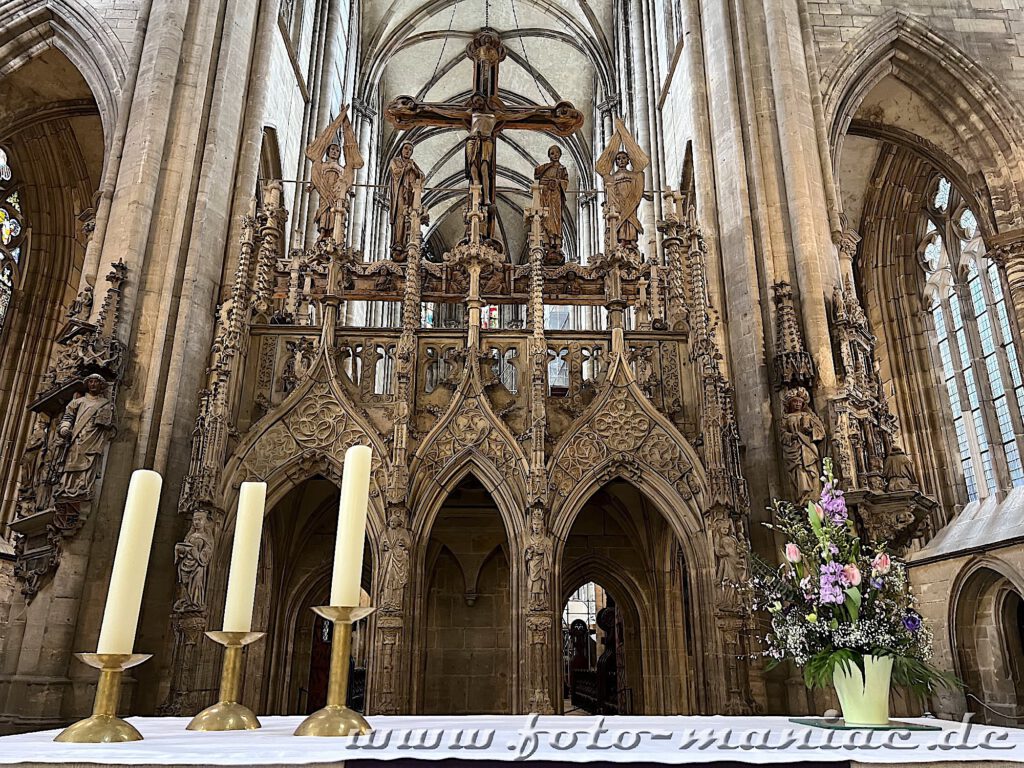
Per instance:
{"type": "Point", "coordinates": [515, 190]}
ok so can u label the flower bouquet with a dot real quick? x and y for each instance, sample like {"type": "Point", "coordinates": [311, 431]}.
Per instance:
{"type": "Point", "coordinates": [842, 610]}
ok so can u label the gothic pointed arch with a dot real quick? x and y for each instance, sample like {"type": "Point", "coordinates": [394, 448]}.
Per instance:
{"type": "Point", "coordinates": [470, 439]}
{"type": "Point", "coordinates": [29, 27]}
{"type": "Point", "coordinates": [622, 434]}
{"type": "Point", "coordinates": [307, 434]}
{"type": "Point", "coordinates": [970, 102]}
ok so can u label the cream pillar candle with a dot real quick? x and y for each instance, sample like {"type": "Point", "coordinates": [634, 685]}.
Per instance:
{"type": "Point", "coordinates": [348, 547]}
{"type": "Point", "coordinates": [128, 576]}
{"type": "Point", "coordinates": [245, 557]}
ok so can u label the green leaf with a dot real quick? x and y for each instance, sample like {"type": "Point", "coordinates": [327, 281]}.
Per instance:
{"type": "Point", "coordinates": [853, 600]}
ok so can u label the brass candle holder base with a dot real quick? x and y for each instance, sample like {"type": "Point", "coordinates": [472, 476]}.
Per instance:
{"type": "Point", "coordinates": [336, 719]}
{"type": "Point", "coordinates": [227, 714]}
{"type": "Point", "coordinates": [104, 726]}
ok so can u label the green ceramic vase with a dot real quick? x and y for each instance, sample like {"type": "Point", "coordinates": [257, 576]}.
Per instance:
{"type": "Point", "coordinates": [864, 698]}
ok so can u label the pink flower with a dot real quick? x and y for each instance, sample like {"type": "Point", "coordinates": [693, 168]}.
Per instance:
{"type": "Point", "coordinates": [881, 564]}
{"type": "Point", "coordinates": [852, 574]}
{"type": "Point", "coordinates": [793, 553]}
{"type": "Point", "coordinates": [821, 512]}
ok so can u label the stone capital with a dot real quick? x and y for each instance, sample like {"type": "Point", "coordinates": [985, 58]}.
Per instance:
{"type": "Point", "coordinates": [1008, 254]}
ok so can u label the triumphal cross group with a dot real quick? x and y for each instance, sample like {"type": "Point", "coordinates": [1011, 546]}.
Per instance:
{"type": "Point", "coordinates": [439, 359]}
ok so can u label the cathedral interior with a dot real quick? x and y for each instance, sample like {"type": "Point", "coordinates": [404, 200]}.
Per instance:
{"type": "Point", "coordinates": [596, 280]}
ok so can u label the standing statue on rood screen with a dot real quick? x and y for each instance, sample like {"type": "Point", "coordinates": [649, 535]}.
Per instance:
{"type": "Point", "coordinates": [554, 181]}
{"type": "Point", "coordinates": [405, 175]}
{"type": "Point", "coordinates": [622, 166]}
{"type": "Point", "coordinates": [330, 178]}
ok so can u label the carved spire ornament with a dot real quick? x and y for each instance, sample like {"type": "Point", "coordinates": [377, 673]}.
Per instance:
{"type": "Point", "coordinates": [794, 366]}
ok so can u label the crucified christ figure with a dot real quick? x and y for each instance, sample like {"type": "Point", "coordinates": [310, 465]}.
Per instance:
{"type": "Point", "coordinates": [484, 116]}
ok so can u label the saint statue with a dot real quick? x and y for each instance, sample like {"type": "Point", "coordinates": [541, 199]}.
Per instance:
{"type": "Point", "coordinates": [33, 466]}
{"type": "Point", "coordinates": [622, 166]}
{"type": "Point", "coordinates": [554, 181]}
{"type": "Point", "coordinates": [405, 175]}
{"type": "Point", "coordinates": [730, 559]}
{"type": "Point", "coordinates": [802, 430]}
{"type": "Point", "coordinates": [192, 559]}
{"type": "Point", "coordinates": [538, 562]}
{"type": "Point", "coordinates": [81, 307]}
{"type": "Point", "coordinates": [85, 428]}
{"type": "Point", "coordinates": [898, 471]}
{"type": "Point", "coordinates": [395, 563]}
{"type": "Point", "coordinates": [330, 178]}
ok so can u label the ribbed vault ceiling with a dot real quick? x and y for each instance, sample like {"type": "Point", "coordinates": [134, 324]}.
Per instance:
{"type": "Point", "coordinates": [559, 50]}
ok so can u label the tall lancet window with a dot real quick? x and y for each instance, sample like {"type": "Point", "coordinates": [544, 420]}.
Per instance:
{"type": "Point", "coordinates": [11, 235]}
{"type": "Point", "coordinates": [975, 345]}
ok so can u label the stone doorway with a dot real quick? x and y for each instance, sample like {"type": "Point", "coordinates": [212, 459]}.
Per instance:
{"type": "Point", "coordinates": [989, 627]}
{"type": "Point", "coordinates": [299, 549]}
{"type": "Point", "coordinates": [467, 650]}
{"type": "Point", "coordinates": [595, 673]}
{"type": "Point", "coordinates": [621, 550]}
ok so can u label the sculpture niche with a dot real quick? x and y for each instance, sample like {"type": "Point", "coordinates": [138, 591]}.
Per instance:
{"type": "Point", "coordinates": [484, 115]}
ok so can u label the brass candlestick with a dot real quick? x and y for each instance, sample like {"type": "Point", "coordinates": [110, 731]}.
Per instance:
{"type": "Point", "coordinates": [336, 719]}
{"type": "Point", "coordinates": [104, 726]}
{"type": "Point", "coordinates": [227, 714]}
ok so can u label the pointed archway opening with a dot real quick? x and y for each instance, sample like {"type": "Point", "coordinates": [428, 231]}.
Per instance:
{"type": "Point", "coordinates": [989, 639]}
{"type": "Point", "coordinates": [467, 650]}
{"type": "Point", "coordinates": [287, 671]}
{"type": "Point", "coordinates": [621, 550]}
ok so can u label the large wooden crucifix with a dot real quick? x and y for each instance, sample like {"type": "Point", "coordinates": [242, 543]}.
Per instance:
{"type": "Point", "coordinates": [485, 116]}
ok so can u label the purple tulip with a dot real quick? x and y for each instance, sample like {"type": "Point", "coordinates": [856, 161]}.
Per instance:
{"type": "Point", "coordinates": [912, 622]}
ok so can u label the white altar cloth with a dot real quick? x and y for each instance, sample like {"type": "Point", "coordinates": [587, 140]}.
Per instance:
{"type": "Point", "coordinates": [672, 740]}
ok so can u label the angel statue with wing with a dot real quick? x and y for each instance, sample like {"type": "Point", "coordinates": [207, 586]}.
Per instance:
{"type": "Point", "coordinates": [622, 166]}
{"type": "Point", "coordinates": [330, 178]}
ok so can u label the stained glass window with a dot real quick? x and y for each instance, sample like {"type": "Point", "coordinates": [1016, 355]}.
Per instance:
{"type": "Point", "coordinates": [12, 233]}
{"type": "Point", "coordinates": [974, 344]}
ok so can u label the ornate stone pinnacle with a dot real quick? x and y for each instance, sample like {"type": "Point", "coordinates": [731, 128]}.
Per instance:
{"type": "Point", "coordinates": [793, 363]}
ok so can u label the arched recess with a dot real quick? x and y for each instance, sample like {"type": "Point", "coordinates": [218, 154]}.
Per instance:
{"type": "Point", "coordinates": [622, 537]}
{"type": "Point", "coordinates": [622, 437]}
{"type": "Point", "coordinates": [296, 563]}
{"type": "Point", "coordinates": [464, 629]}
{"type": "Point", "coordinates": [53, 136]}
{"type": "Point", "coordinates": [31, 27]}
{"type": "Point", "coordinates": [972, 118]}
{"type": "Point", "coordinates": [891, 279]}
{"type": "Point", "coordinates": [987, 628]}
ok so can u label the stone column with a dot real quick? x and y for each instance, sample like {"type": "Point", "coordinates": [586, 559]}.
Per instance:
{"type": "Point", "coordinates": [1010, 258]}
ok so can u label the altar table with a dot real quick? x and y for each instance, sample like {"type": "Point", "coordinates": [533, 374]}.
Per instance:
{"type": "Point", "coordinates": [640, 741]}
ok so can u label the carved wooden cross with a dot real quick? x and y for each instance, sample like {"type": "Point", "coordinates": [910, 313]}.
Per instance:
{"type": "Point", "coordinates": [485, 116]}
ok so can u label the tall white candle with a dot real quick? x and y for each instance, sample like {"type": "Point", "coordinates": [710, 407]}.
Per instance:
{"type": "Point", "coordinates": [245, 557]}
{"type": "Point", "coordinates": [348, 547]}
{"type": "Point", "coordinates": [128, 576]}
